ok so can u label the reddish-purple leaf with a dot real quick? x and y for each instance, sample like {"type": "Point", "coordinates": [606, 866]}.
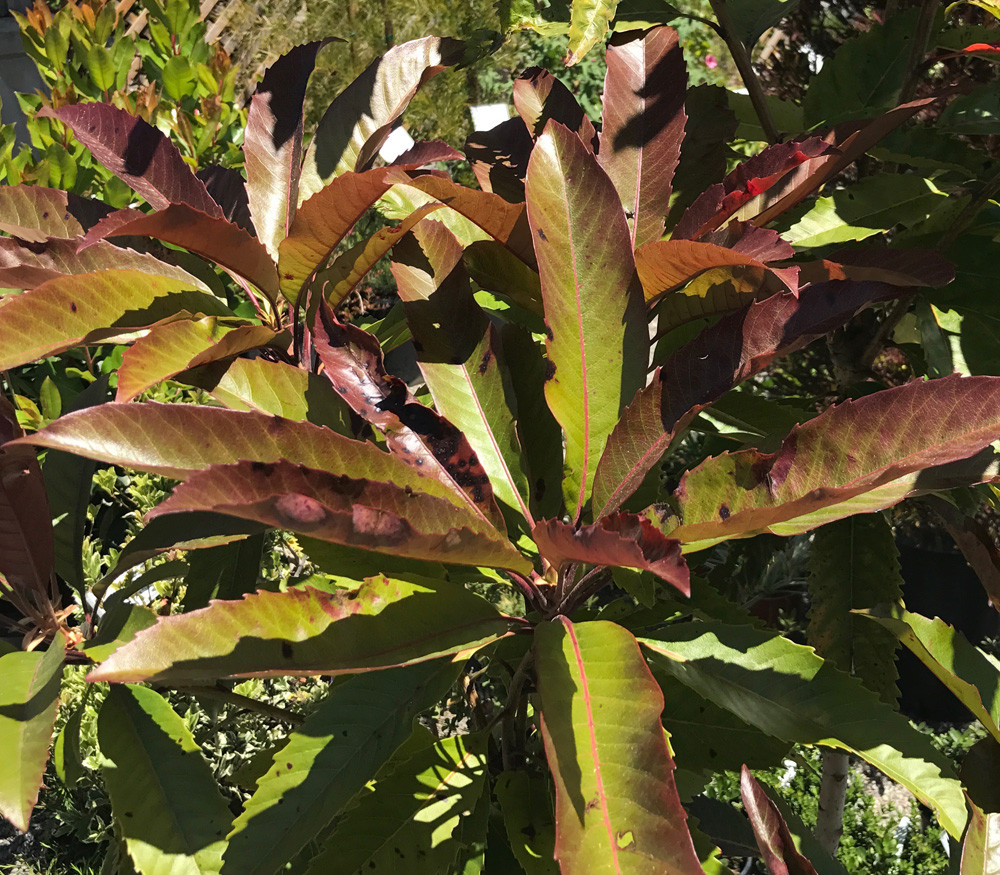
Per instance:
{"type": "Point", "coordinates": [900, 267]}
{"type": "Point", "coordinates": [736, 347]}
{"type": "Point", "coordinates": [747, 239]}
{"type": "Point", "coordinates": [849, 142]}
{"type": "Point", "coordinates": [213, 237]}
{"type": "Point", "coordinates": [27, 551]}
{"type": "Point", "coordinates": [622, 539]}
{"type": "Point", "coordinates": [415, 434]}
{"type": "Point", "coordinates": [749, 180]}
{"type": "Point", "coordinates": [846, 452]}
{"type": "Point", "coordinates": [28, 266]}
{"type": "Point", "coordinates": [644, 124]}
{"type": "Point", "coordinates": [503, 221]}
{"type": "Point", "coordinates": [177, 439]}
{"type": "Point", "coordinates": [85, 308]}
{"type": "Point", "coordinates": [272, 143]}
{"type": "Point", "coordinates": [137, 153]}
{"type": "Point", "coordinates": [358, 512]}
{"type": "Point", "coordinates": [426, 152]}
{"type": "Point", "coordinates": [303, 631]}
{"type": "Point", "coordinates": [172, 348]}
{"type": "Point", "coordinates": [499, 158]}
{"type": "Point", "coordinates": [597, 337]}
{"type": "Point", "coordinates": [360, 118]}
{"type": "Point", "coordinates": [769, 828]}
{"type": "Point", "coordinates": [617, 807]}
{"type": "Point", "coordinates": [539, 98]}
{"type": "Point", "coordinates": [34, 214]}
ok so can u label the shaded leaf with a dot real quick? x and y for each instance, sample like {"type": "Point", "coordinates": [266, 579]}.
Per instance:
{"type": "Point", "coordinates": [169, 349]}
{"type": "Point", "coordinates": [526, 805]}
{"type": "Point", "coordinates": [495, 269]}
{"type": "Point", "coordinates": [903, 267]}
{"type": "Point", "coordinates": [616, 802]}
{"type": "Point", "coordinates": [720, 357]}
{"type": "Point", "coordinates": [165, 800]}
{"type": "Point", "coordinates": [358, 512]}
{"type": "Point", "coordinates": [644, 125]}
{"type": "Point", "coordinates": [26, 267]}
{"type": "Point", "coordinates": [499, 158]}
{"type": "Point", "coordinates": [459, 354]}
{"type": "Point", "coordinates": [973, 113]}
{"type": "Point", "coordinates": [853, 564]}
{"type": "Point", "coordinates": [304, 631]}
{"type": "Point", "coordinates": [213, 237]}
{"type": "Point", "coordinates": [539, 97]}
{"type": "Point", "coordinates": [975, 542]}
{"type": "Point", "coordinates": [623, 539]}
{"type": "Point", "coordinates": [972, 675]}
{"type": "Point", "coordinates": [773, 838]}
{"type": "Point", "coordinates": [29, 699]}
{"type": "Point", "coordinates": [66, 757]}
{"type": "Point", "coordinates": [414, 816]}
{"type": "Point", "coordinates": [74, 310]}
{"type": "Point", "coordinates": [137, 153]}
{"type": "Point", "coordinates": [597, 339]}
{"type": "Point", "coordinates": [848, 450]}
{"type": "Point", "coordinates": [226, 186]}
{"type": "Point", "coordinates": [189, 438]}
{"type": "Point", "coordinates": [787, 691]}
{"type": "Point", "coordinates": [355, 125]}
{"type": "Point", "coordinates": [588, 25]}
{"type": "Point", "coordinates": [417, 436]}
{"type": "Point", "coordinates": [751, 18]}
{"type": "Point", "coordinates": [328, 759]}
{"type": "Point", "coordinates": [272, 143]}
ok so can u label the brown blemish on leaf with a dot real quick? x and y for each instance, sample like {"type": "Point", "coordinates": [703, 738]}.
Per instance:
{"type": "Point", "coordinates": [548, 331]}
{"type": "Point", "coordinates": [298, 511]}
{"type": "Point", "coordinates": [550, 370]}
{"type": "Point", "coordinates": [723, 513]}
{"type": "Point", "coordinates": [485, 361]}
{"type": "Point", "coordinates": [378, 526]}
{"type": "Point", "coordinates": [72, 307]}
{"type": "Point", "coordinates": [542, 236]}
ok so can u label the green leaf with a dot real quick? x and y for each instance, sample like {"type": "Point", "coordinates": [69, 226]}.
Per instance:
{"type": "Point", "coordinates": [869, 206]}
{"type": "Point", "coordinates": [588, 25]}
{"type": "Point", "coordinates": [50, 399]}
{"type": "Point", "coordinates": [352, 130]}
{"type": "Point", "coordinates": [327, 760]}
{"type": "Point", "coordinates": [66, 755]}
{"type": "Point", "coordinates": [361, 512]}
{"type": "Point", "coordinates": [597, 342]}
{"type": "Point", "coordinates": [617, 807]}
{"type": "Point", "coordinates": [119, 625]}
{"type": "Point", "coordinates": [526, 804]}
{"type": "Point", "coordinates": [178, 78]}
{"type": "Point", "coordinates": [169, 349]}
{"type": "Point", "coordinates": [165, 801]}
{"type": "Point", "coordinates": [854, 563]}
{"type": "Point", "coordinates": [460, 356]}
{"type": "Point", "coordinates": [981, 848]}
{"type": "Point", "coordinates": [276, 388]}
{"type": "Point", "coordinates": [411, 820]}
{"type": "Point", "coordinates": [226, 571]}
{"type": "Point", "coordinates": [786, 690]}
{"type": "Point", "coordinates": [29, 700]}
{"type": "Point", "coordinates": [864, 76]}
{"type": "Point", "coordinates": [644, 125]}
{"type": "Point", "coordinates": [855, 457]}
{"type": "Point", "coordinates": [752, 17]}
{"type": "Point", "coordinates": [97, 59]}
{"type": "Point", "coordinates": [973, 113]}
{"type": "Point", "coordinates": [304, 631]}
{"type": "Point", "coordinates": [74, 310]}
{"type": "Point", "coordinates": [972, 675]}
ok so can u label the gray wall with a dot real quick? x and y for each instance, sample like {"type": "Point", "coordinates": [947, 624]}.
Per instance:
{"type": "Point", "coordinates": [17, 72]}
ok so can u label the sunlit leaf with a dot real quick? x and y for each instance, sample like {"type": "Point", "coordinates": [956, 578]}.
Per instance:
{"type": "Point", "coordinates": [617, 807]}
{"type": "Point", "coordinates": [539, 97]}
{"type": "Point", "coordinates": [304, 631]}
{"type": "Point", "coordinates": [773, 838]}
{"type": "Point", "coordinates": [33, 213]}
{"type": "Point", "coordinates": [588, 25]}
{"type": "Point", "coordinates": [981, 848]}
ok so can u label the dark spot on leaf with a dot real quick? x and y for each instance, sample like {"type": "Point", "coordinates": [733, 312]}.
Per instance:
{"type": "Point", "coordinates": [408, 490]}
{"type": "Point", "coordinates": [257, 467]}
{"type": "Point", "coordinates": [288, 765]}
{"type": "Point", "coordinates": [548, 331]}
{"type": "Point", "coordinates": [529, 831]}
{"type": "Point", "coordinates": [129, 814]}
{"type": "Point", "coordinates": [541, 234]}
{"type": "Point", "coordinates": [723, 512]}
{"type": "Point", "coordinates": [45, 215]}
{"type": "Point", "coordinates": [550, 370]}
{"type": "Point", "coordinates": [286, 650]}
{"type": "Point", "coordinates": [72, 307]}
{"type": "Point", "coordinates": [485, 361]}
{"type": "Point", "coordinates": [539, 489]}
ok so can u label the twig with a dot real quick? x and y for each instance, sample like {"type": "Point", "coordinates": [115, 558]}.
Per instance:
{"type": "Point", "coordinates": [244, 702]}
{"type": "Point", "coordinates": [742, 58]}
{"type": "Point", "coordinates": [918, 48]}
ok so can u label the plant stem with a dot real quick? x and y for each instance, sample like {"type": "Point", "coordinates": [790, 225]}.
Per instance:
{"type": "Point", "coordinates": [832, 794]}
{"type": "Point", "coordinates": [742, 58]}
{"type": "Point", "coordinates": [918, 49]}
{"type": "Point", "coordinates": [229, 697]}
{"type": "Point", "coordinates": [589, 584]}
